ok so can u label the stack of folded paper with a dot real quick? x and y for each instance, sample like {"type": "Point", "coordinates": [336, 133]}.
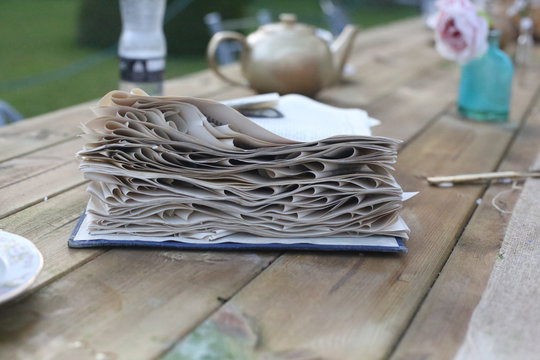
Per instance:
{"type": "Point", "coordinates": [198, 171]}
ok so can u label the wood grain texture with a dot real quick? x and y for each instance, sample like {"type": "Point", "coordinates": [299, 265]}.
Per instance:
{"type": "Point", "coordinates": [441, 323]}
{"type": "Point", "coordinates": [135, 290]}
{"type": "Point", "coordinates": [327, 341]}
{"type": "Point", "coordinates": [30, 165]}
{"type": "Point", "coordinates": [36, 133]}
{"type": "Point", "coordinates": [30, 178]}
{"type": "Point", "coordinates": [378, 73]}
{"type": "Point", "coordinates": [53, 222]}
{"type": "Point", "coordinates": [38, 176]}
{"type": "Point", "coordinates": [131, 304]}
{"type": "Point", "coordinates": [407, 111]}
{"type": "Point", "coordinates": [357, 306]}
{"type": "Point", "coordinates": [48, 225]}
{"type": "Point", "coordinates": [385, 34]}
{"type": "Point", "coordinates": [196, 84]}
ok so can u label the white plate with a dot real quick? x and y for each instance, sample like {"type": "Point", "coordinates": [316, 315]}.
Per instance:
{"type": "Point", "coordinates": [20, 263]}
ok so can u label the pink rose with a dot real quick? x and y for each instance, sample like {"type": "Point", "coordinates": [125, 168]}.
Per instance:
{"type": "Point", "coordinates": [460, 33]}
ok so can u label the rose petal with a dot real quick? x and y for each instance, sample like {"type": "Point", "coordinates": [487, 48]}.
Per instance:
{"type": "Point", "coordinates": [460, 33]}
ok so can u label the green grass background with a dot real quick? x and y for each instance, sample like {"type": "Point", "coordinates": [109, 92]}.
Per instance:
{"type": "Point", "coordinates": [39, 36]}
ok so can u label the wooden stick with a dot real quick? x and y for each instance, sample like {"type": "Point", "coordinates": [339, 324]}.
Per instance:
{"type": "Point", "coordinates": [471, 178]}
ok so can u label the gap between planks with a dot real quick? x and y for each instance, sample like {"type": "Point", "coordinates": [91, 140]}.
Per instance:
{"type": "Point", "coordinates": [243, 298]}
{"type": "Point", "coordinates": [68, 274]}
{"type": "Point", "coordinates": [420, 336]}
{"type": "Point", "coordinates": [417, 85]}
{"type": "Point", "coordinates": [250, 302]}
{"type": "Point", "coordinates": [82, 269]}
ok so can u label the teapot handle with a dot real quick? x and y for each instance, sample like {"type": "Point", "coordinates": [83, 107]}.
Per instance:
{"type": "Point", "coordinates": [211, 53]}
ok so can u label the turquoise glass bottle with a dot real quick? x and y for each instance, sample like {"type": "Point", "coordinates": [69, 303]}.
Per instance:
{"type": "Point", "coordinates": [486, 84]}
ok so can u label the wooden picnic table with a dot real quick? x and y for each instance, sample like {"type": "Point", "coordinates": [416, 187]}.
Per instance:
{"type": "Point", "coordinates": [147, 303]}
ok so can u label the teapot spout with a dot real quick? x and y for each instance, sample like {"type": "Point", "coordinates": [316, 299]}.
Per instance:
{"type": "Point", "coordinates": [341, 48]}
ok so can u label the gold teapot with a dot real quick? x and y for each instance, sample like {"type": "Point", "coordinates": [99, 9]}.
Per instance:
{"type": "Point", "coordinates": [286, 57]}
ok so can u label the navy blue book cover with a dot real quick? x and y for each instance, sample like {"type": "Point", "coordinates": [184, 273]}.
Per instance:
{"type": "Point", "coordinates": [80, 239]}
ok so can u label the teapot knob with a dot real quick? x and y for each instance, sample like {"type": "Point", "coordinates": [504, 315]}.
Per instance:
{"type": "Point", "coordinates": [288, 19]}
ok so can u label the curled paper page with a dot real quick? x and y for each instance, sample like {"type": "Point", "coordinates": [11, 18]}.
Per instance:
{"type": "Point", "coordinates": [187, 168]}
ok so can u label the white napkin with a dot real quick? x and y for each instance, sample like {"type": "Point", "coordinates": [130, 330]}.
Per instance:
{"type": "Point", "coordinates": [305, 119]}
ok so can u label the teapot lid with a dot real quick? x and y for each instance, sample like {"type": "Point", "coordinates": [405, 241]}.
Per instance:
{"type": "Point", "coordinates": [288, 23]}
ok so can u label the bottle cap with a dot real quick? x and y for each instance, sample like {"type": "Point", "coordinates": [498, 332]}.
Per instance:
{"type": "Point", "coordinates": [525, 24]}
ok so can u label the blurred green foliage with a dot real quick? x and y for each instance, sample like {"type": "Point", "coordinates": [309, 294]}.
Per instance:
{"type": "Point", "coordinates": [42, 37]}
{"type": "Point", "coordinates": [100, 25]}
{"type": "Point", "coordinates": [366, 13]}
{"type": "Point", "coordinates": [187, 33]}
{"type": "Point", "coordinates": [49, 43]}
{"type": "Point", "coordinates": [99, 20]}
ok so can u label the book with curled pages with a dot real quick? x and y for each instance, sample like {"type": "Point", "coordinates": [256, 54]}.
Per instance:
{"type": "Point", "coordinates": [291, 173]}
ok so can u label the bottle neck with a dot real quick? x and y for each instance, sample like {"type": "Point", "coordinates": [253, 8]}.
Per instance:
{"type": "Point", "coordinates": [526, 26]}
{"type": "Point", "coordinates": [493, 38]}
{"type": "Point", "coordinates": [142, 16]}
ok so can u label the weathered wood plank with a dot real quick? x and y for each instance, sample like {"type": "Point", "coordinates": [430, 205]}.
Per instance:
{"type": "Point", "coordinates": [132, 303]}
{"type": "Point", "coordinates": [192, 284]}
{"type": "Point", "coordinates": [377, 73]}
{"type": "Point", "coordinates": [30, 178]}
{"type": "Point", "coordinates": [18, 196]}
{"type": "Point", "coordinates": [48, 225]}
{"type": "Point", "coordinates": [406, 111]}
{"type": "Point", "coordinates": [33, 164]}
{"type": "Point", "coordinates": [103, 308]}
{"type": "Point", "coordinates": [441, 323]}
{"type": "Point", "coordinates": [403, 99]}
{"type": "Point", "coordinates": [200, 84]}
{"type": "Point", "coordinates": [24, 167]}
{"type": "Point", "coordinates": [371, 298]}
{"type": "Point", "coordinates": [38, 176]}
{"type": "Point", "coordinates": [385, 34]}
{"type": "Point", "coordinates": [59, 238]}
{"type": "Point", "coordinates": [384, 47]}
{"type": "Point", "coordinates": [37, 133]}
{"type": "Point", "coordinates": [45, 130]}
{"type": "Point", "coordinates": [431, 92]}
